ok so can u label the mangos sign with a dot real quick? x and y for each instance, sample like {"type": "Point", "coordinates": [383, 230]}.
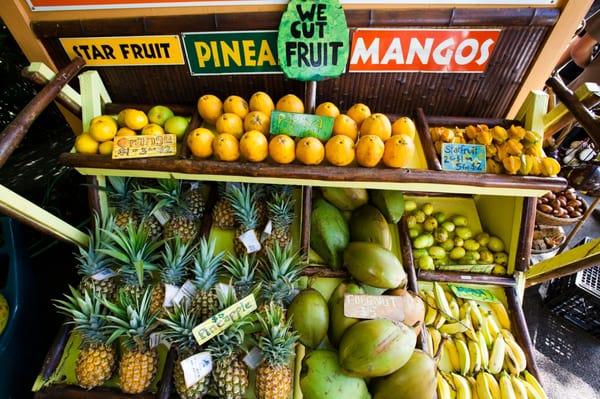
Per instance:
{"type": "Point", "coordinates": [313, 40]}
{"type": "Point", "coordinates": [213, 53]}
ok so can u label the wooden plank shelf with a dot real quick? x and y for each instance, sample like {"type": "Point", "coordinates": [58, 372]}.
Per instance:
{"type": "Point", "coordinates": [413, 180]}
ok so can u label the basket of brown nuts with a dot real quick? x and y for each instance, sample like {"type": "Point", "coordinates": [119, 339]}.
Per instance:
{"type": "Point", "coordinates": [560, 209]}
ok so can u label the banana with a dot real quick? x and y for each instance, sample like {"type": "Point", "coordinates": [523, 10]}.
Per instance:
{"type": "Point", "coordinates": [532, 393]}
{"type": "Point", "coordinates": [431, 313]}
{"type": "Point", "coordinates": [445, 363]}
{"type": "Point", "coordinates": [493, 326]}
{"type": "Point", "coordinates": [439, 321]}
{"type": "Point", "coordinates": [463, 389]}
{"type": "Point", "coordinates": [429, 346]}
{"type": "Point", "coordinates": [436, 338]}
{"type": "Point", "coordinates": [485, 355]}
{"type": "Point", "coordinates": [463, 356]}
{"type": "Point", "coordinates": [442, 301]}
{"type": "Point", "coordinates": [535, 383]}
{"type": "Point", "coordinates": [506, 388]}
{"type": "Point", "coordinates": [473, 384]}
{"type": "Point", "coordinates": [519, 387]}
{"type": "Point", "coordinates": [453, 353]}
{"type": "Point", "coordinates": [497, 355]}
{"type": "Point", "coordinates": [489, 338]}
{"type": "Point", "coordinates": [493, 384]}
{"type": "Point", "coordinates": [443, 388]}
{"type": "Point", "coordinates": [475, 313]}
{"type": "Point", "coordinates": [453, 328]}
{"type": "Point", "coordinates": [464, 310]}
{"type": "Point", "coordinates": [483, 387]}
{"type": "Point", "coordinates": [475, 356]}
{"type": "Point", "coordinates": [454, 307]}
{"type": "Point", "coordinates": [515, 356]}
{"type": "Point", "coordinates": [501, 314]}
{"type": "Point", "coordinates": [470, 329]}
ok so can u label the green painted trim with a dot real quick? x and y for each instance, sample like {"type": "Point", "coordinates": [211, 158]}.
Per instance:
{"type": "Point", "coordinates": [93, 97]}
{"type": "Point", "coordinates": [48, 74]}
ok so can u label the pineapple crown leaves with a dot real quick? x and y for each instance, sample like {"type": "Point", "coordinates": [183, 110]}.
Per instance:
{"type": "Point", "coordinates": [205, 265]}
{"type": "Point", "coordinates": [175, 258]}
{"type": "Point", "coordinates": [243, 202]}
{"type": "Point", "coordinates": [279, 274]}
{"type": "Point", "coordinates": [241, 271]}
{"type": "Point", "coordinates": [90, 259]}
{"type": "Point", "coordinates": [277, 339]}
{"type": "Point", "coordinates": [170, 196]}
{"type": "Point", "coordinates": [131, 319]}
{"type": "Point", "coordinates": [87, 315]}
{"type": "Point", "coordinates": [144, 203]}
{"type": "Point", "coordinates": [119, 191]}
{"type": "Point", "coordinates": [281, 209]}
{"type": "Point", "coordinates": [134, 251]}
{"type": "Point", "coordinates": [178, 326]}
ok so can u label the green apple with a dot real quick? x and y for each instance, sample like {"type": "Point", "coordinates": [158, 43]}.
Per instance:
{"type": "Point", "coordinates": [159, 114]}
{"type": "Point", "coordinates": [176, 125]}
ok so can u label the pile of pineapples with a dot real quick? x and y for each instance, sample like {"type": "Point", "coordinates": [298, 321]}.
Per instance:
{"type": "Point", "coordinates": [119, 308]}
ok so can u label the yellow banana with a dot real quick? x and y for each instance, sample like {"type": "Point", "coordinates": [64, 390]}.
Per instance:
{"type": "Point", "coordinates": [453, 328]}
{"type": "Point", "coordinates": [453, 353]}
{"type": "Point", "coordinates": [439, 321]}
{"type": "Point", "coordinates": [441, 301]}
{"type": "Point", "coordinates": [436, 337]}
{"type": "Point", "coordinates": [532, 393]}
{"type": "Point", "coordinates": [485, 329]}
{"type": "Point", "coordinates": [515, 355]}
{"type": "Point", "coordinates": [443, 388]}
{"type": "Point", "coordinates": [463, 389]}
{"type": "Point", "coordinates": [506, 388]}
{"type": "Point", "coordinates": [493, 384]}
{"type": "Point", "coordinates": [454, 308]}
{"type": "Point", "coordinates": [501, 314]}
{"type": "Point", "coordinates": [429, 345]}
{"type": "Point", "coordinates": [475, 356]}
{"type": "Point", "coordinates": [483, 387]}
{"type": "Point", "coordinates": [493, 326]}
{"type": "Point", "coordinates": [431, 313]}
{"type": "Point", "coordinates": [473, 385]}
{"type": "Point", "coordinates": [497, 355]}
{"type": "Point", "coordinates": [445, 363]}
{"type": "Point", "coordinates": [518, 387]}
{"type": "Point", "coordinates": [463, 356]}
{"type": "Point", "coordinates": [535, 383]}
{"type": "Point", "coordinates": [485, 355]}
{"type": "Point", "coordinates": [475, 313]}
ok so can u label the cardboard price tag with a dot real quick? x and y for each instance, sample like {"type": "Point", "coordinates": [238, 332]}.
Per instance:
{"type": "Point", "coordinates": [196, 367]}
{"type": "Point", "coordinates": [267, 231]}
{"type": "Point", "coordinates": [374, 307]}
{"type": "Point", "coordinates": [477, 294]}
{"type": "Point", "coordinates": [127, 147]}
{"type": "Point", "coordinates": [250, 241]}
{"type": "Point", "coordinates": [170, 292]}
{"type": "Point", "coordinates": [103, 275]}
{"type": "Point", "coordinates": [464, 157]}
{"type": "Point", "coordinates": [186, 292]}
{"type": "Point", "coordinates": [253, 358]}
{"type": "Point", "coordinates": [301, 125]}
{"type": "Point", "coordinates": [224, 319]}
{"type": "Point", "coordinates": [161, 216]}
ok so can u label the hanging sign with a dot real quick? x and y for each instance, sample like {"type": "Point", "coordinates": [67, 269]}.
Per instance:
{"type": "Point", "coordinates": [125, 50]}
{"type": "Point", "coordinates": [301, 125]}
{"type": "Point", "coordinates": [464, 157]}
{"type": "Point", "coordinates": [422, 50]}
{"type": "Point", "coordinates": [313, 40]}
{"type": "Point", "coordinates": [212, 53]}
{"type": "Point", "coordinates": [126, 147]}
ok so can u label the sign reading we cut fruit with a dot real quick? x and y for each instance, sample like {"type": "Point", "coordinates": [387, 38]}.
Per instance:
{"type": "Point", "coordinates": [301, 125]}
{"type": "Point", "coordinates": [422, 50]}
{"type": "Point", "coordinates": [126, 147]}
{"type": "Point", "coordinates": [125, 50]}
{"type": "Point", "coordinates": [241, 52]}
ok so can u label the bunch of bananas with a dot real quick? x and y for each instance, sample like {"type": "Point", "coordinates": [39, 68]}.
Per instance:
{"type": "Point", "coordinates": [478, 355]}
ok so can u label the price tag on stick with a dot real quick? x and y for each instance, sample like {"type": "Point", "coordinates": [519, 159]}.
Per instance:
{"type": "Point", "coordinates": [250, 241]}
{"type": "Point", "coordinates": [196, 367]}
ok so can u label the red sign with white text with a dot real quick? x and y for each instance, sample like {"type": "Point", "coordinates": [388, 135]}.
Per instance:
{"type": "Point", "coordinates": [422, 50]}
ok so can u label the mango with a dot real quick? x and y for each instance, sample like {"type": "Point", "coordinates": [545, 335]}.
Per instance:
{"type": "Point", "coordinates": [460, 221]}
{"type": "Point", "coordinates": [464, 232]}
{"type": "Point", "coordinates": [417, 253]}
{"type": "Point", "coordinates": [322, 377]}
{"type": "Point", "coordinates": [457, 253]}
{"type": "Point", "coordinates": [471, 245]}
{"type": "Point", "coordinates": [310, 317]}
{"type": "Point", "coordinates": [425, 263]}
{"type": "Point", "coordinates": [448, 226]}
{"type": "Point", "coordinates": [448, 245]}
{"type": "Point", "coordinates": [424, 241]}
{"type": "Point", "coordinates": [376, 348]}
{"type": "Point", "coordinates": [410, 206]}
{"type": "Point", "coordinates": [440, 217]}
{"type": "Point", "coordinates": [367, 224]}
{"type": "Point", "coordinates": [427, 208]}
{"type": "Point", "coordinates": [495, 244]}
{"type": "Point", "coordinates": [390, 204]}
{"type": "Point", "coordinates": [437, 252]}
{"type": "Point", "coordinates": [346, 199]}
{"type": "Point", "coordinates": [415, 380]}
{"type": "Point", "coordinates": [374, 265]}
{"type": "Point", "coordinates": [329, 233]}
{"type": "Point", "coordinates": [338, 323]}
{"type": "Point", "coordinates": [430, 224]}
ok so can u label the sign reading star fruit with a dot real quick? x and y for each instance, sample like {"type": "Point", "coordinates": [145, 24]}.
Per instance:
{"type": "Point", "coordinates": [422, 50]}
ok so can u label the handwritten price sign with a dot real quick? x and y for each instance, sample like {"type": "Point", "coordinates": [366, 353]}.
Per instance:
{"type": "Point", "coordinates": [126, 147]}
{"type": "Point", "coordinates": [464, 157]}
{"type": "Point", "coordinates": [301, 125]}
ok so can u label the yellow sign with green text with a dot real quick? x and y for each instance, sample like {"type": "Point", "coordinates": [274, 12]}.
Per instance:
{"type": "Point", "coordinates": [125, 50]}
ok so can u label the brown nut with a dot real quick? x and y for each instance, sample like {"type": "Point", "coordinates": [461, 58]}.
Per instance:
{"type": "Point", "coordinates": [545, 208]}
{"type": "Point", "coordinates": [556, 204]}
{"type": "Point", "coordinates": [550, 195]}
{"type": "Point", "coordinates": [556, 212]}
{"type": "Point", "coordinates": [543, 200]}
{"type": "Point", "coordinates": [570, 209]}
{"type": "Point", "coordinates": [570, 195]}
{"type": "Point", "coordinates": [562, 199]}
{"type": "Point", "coordinates": [576, 214]}
{"type": "Point", "coordinates": [575, 203]}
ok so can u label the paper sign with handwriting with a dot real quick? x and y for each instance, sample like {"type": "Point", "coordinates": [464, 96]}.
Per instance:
{"type": "Point", "coordinates": [464, 157]}
{"type": "Point", "coordinates": [374, 307]}
{"type": "Point", "coordinates": [126, 147]}
{"type": "Point", "coordinates": [477, 294]}
{"type": "Point", "coordinates": [301, 125]}
{"type": "Point", "coordinates": [224, 319]}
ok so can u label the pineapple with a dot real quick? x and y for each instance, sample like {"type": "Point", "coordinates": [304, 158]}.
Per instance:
{"type": "Point", "coordinates": [178, 330]}
{"type": "Point", "coordinates": [241, 271]}
{"type": "Point", "coordinates": [281, 214]}
{"type": "Point", "coordinates": [229, 373]}
{"type": "Point", "coordinates": [222, 213]}
{"type": "Point", "coordinates": [120, 196]}
{"type": "Point", "coordinates": [243, 201]}
{"type": "Point", "coordinates": [171, 198]}
{"type": "Point", "coordinates": [277, 341]}
{"type": "Point", "coordinates": [132, 321]}
{"type": "Point", "coordinates": [136, 256]}
{"type": "Point", "coordinates": [206, 263]}
{"type": "Point", "coordinates": [279, 275]}
{"type": "Point", "coordinates": [96, 358]}
{"type": "Point", "coordinates": [176, 256]}
{"type": "Point", "coordinates": [92, 263]}
{"type": "Point", "coordinates": [196, 200]}
{"type": "Point", "coordinates": [145, 208]}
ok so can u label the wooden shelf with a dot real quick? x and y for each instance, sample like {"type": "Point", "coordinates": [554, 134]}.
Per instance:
{"type": "Point", "coordinates": [413, 180]}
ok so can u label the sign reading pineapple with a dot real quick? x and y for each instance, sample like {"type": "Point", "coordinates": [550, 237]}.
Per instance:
{"type": "Point", "coordinates": [313, 40]}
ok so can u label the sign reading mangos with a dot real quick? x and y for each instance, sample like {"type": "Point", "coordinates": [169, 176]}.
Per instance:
{"type": "Point", "coordinates": [313, 40]}
{"type": "Point", "coordinates": [422, 50]}
{"type": "Point", "coordinates": [125, 50]}
{"type": "Point", "coordinates": [301, 125]}
{"type": "Point", "coordinates": [212, 53]}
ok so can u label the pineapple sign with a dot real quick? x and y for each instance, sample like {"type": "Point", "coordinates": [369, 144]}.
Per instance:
{"type": "Point", "coordinates": [313, 40]}
{"type": "Point", "coordinates": [224, 319]}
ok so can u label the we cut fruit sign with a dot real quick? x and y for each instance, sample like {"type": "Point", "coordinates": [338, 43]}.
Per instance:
{"type": "Point", "coordinates": [422, 50]}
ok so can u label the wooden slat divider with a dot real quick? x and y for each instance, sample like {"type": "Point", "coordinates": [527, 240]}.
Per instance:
{"type": "Point", "coordinates": [526, 234]}
{"type": "Point", "coordinates": [466, 278]}
{"type": "Point", "coordinates": [433, 161]}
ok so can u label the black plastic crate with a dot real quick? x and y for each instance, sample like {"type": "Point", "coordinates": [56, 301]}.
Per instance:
{"type": "Point", "coordinates": [576, 298]}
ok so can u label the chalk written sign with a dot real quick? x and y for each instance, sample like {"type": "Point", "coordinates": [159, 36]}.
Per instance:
{"type": "Point", "coordinates": [126, 147]}
{"type": "Point", "coordinates": [313, 40]}
{"type": "Point", "coordinates": [374, 307]}
{"type": "Point", "coordinates": [125, 50]}
{"type": "Point", "coordinates": [224, 319]}
{"type": "Point", "coordinates": [422, 50]}
{"type": "Point", "coordinates": [464, 157]}
{"type": "Point", "coordinates": [477, 294]}
{"type": "Point", "coordinates": [301, 125]}
{"type": "Point", "coordinates": [467, 268]}
{"type": "Point", "coordinates": [241, 52]}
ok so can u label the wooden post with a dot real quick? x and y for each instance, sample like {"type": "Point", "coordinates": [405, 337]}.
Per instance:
{"type": "Point", "coordinates": [14, 133]}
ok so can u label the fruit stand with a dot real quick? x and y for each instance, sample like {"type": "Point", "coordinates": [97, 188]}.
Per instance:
{"type": "Point", "coordinates": [278, 267]}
